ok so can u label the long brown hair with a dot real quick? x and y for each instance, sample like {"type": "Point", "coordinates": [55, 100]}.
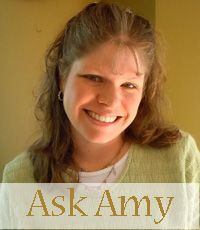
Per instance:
{"type": "Point", "coordinates": [96, 24]}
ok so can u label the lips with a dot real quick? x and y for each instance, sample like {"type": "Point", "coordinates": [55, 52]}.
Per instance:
{"type": "Point", "coordinates": [100, 118]}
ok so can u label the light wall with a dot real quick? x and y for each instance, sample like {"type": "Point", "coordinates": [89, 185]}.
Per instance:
{"type": "Point", "coordinates": [144, 8]}
{"type": "Point", "coordinates": [179, 21]}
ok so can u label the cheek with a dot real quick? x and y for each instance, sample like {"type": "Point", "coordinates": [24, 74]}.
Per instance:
{"type": "Point", "coordinates": [75, 96]}
{"type": "Point", "coordinates": [131, 103]}
{"type": "Point", "coordinates": [81, 95]}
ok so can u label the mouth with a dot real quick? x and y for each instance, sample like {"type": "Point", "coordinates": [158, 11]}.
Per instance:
{"type": "Point", "coordinates": [102, 119]}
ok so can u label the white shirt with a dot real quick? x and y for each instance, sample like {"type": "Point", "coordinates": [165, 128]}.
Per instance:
{"type": "Point", "coordinates": [108, 175]}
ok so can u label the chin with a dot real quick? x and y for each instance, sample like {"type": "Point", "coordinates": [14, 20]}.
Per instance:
{"type": "Point", "coordinates": [99, 139]}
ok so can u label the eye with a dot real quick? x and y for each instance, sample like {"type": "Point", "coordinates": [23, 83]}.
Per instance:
{"type": "Point", "coordinates": [92, 77]}
{"type": "Point", "coordinates": [129, 85]}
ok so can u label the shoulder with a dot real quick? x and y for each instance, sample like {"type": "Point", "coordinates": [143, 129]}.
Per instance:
{"type": "Point", "coordinates": [190, 157]}
{"type": "Point", "coordinates": [19, 170]}
{"type": "Point", "coordinates": [179, 162]}
{"type": "Point", "coordinates": [184, 149]}
{"type": "Point", "coordinates": [186, 143]}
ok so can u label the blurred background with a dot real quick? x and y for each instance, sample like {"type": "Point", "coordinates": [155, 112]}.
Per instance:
{"type": "Point", "coordinates": [27, 27]}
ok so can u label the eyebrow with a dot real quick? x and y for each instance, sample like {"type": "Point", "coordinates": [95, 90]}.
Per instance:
{"type": "Point", "coordinates": [89, 74]}
{"type": "Point", "coordinates": [139, 74]}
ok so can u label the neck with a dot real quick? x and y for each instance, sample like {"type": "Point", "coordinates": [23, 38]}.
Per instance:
{"type": "Point", "coordinates": [92, 156]}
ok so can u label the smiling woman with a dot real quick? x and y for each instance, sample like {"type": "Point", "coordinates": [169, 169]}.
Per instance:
{"type": "Point", "coordinates": [101, 108]}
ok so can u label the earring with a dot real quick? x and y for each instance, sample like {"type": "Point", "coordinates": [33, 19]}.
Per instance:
{"type": "Point", "coordinates": [60, 95]}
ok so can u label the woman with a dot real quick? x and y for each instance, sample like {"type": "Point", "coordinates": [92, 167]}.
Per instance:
{"type": "Point", "coordinates": [101, 108]}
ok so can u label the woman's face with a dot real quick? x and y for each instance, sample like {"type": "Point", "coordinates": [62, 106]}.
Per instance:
{"type": "Point", "coordinates": [102, 93]}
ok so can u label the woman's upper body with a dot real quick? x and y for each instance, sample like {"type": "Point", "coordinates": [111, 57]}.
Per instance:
{"type": "Point", "coordinates": [103, 89]}
{"type": "Point", "coordinates": [178, 163]}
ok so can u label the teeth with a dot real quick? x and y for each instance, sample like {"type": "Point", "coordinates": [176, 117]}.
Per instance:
{"type": "Point", "coordinates": [101, 118]}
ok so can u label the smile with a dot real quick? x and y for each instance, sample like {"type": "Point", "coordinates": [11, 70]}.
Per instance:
{"type": "Point", "coordinates": [105, 119]}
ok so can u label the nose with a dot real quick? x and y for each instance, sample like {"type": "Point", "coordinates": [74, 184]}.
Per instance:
{"type": "Point", "coordinates": [109, 96]}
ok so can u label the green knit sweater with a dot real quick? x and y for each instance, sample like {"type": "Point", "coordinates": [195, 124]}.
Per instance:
{"type": "Point", "coordinates": [177, 163]}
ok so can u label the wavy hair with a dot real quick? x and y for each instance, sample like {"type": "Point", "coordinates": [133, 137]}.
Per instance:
{"type": "Point", "coordinates": [96, 24]}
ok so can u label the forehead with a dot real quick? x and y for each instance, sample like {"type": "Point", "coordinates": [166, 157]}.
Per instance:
{"type": "Point", "coordinates": [111, 58]}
